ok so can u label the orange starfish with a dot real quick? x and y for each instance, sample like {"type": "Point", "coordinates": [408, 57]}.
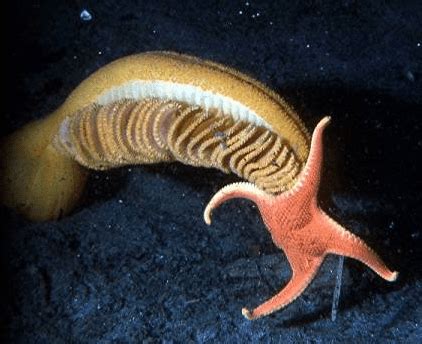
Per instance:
{"type": "Point", "coordinates": [299, 227]}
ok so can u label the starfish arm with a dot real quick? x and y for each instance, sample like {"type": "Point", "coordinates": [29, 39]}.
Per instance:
{"type": "Point", "coordinates": [301, 278]}
{"type": "Point", "coordinates": [310, 176]}
{"type": "Point", "coordinates": [348, 244]}
{"type": "Point", "coordinates": [235, 190]}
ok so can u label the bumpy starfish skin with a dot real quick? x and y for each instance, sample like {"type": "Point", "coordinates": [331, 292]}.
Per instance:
{"type": "Point", "coordinates": [299, 227]}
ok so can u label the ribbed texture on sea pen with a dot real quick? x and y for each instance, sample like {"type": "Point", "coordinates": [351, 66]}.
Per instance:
{"type": "Point", "coordinates": [129, 132]}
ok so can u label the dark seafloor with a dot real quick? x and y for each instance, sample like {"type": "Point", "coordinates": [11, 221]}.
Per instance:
{"type": "Point", "coordinates": [136, 263]}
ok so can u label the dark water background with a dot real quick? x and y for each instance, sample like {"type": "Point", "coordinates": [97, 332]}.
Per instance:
{"type": "Point", "coordinates": [136, 261]}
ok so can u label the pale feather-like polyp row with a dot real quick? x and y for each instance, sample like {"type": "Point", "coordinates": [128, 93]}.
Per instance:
{"type": "Point", "coordinates": [193, 95]}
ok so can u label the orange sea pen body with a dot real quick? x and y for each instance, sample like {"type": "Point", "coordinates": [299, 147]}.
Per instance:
{"type": "Point", "coordinates": [43, 180]}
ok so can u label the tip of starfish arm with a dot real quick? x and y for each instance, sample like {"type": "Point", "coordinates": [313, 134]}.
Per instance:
{"type": "Point", "coordinates": [325, 121]}
{"type": "Point", "coordinates": [247, 314]}
{"type": "Point", "coordinates": [393, 276]}
{"type": "Point", "coordinates": [207, 215]}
